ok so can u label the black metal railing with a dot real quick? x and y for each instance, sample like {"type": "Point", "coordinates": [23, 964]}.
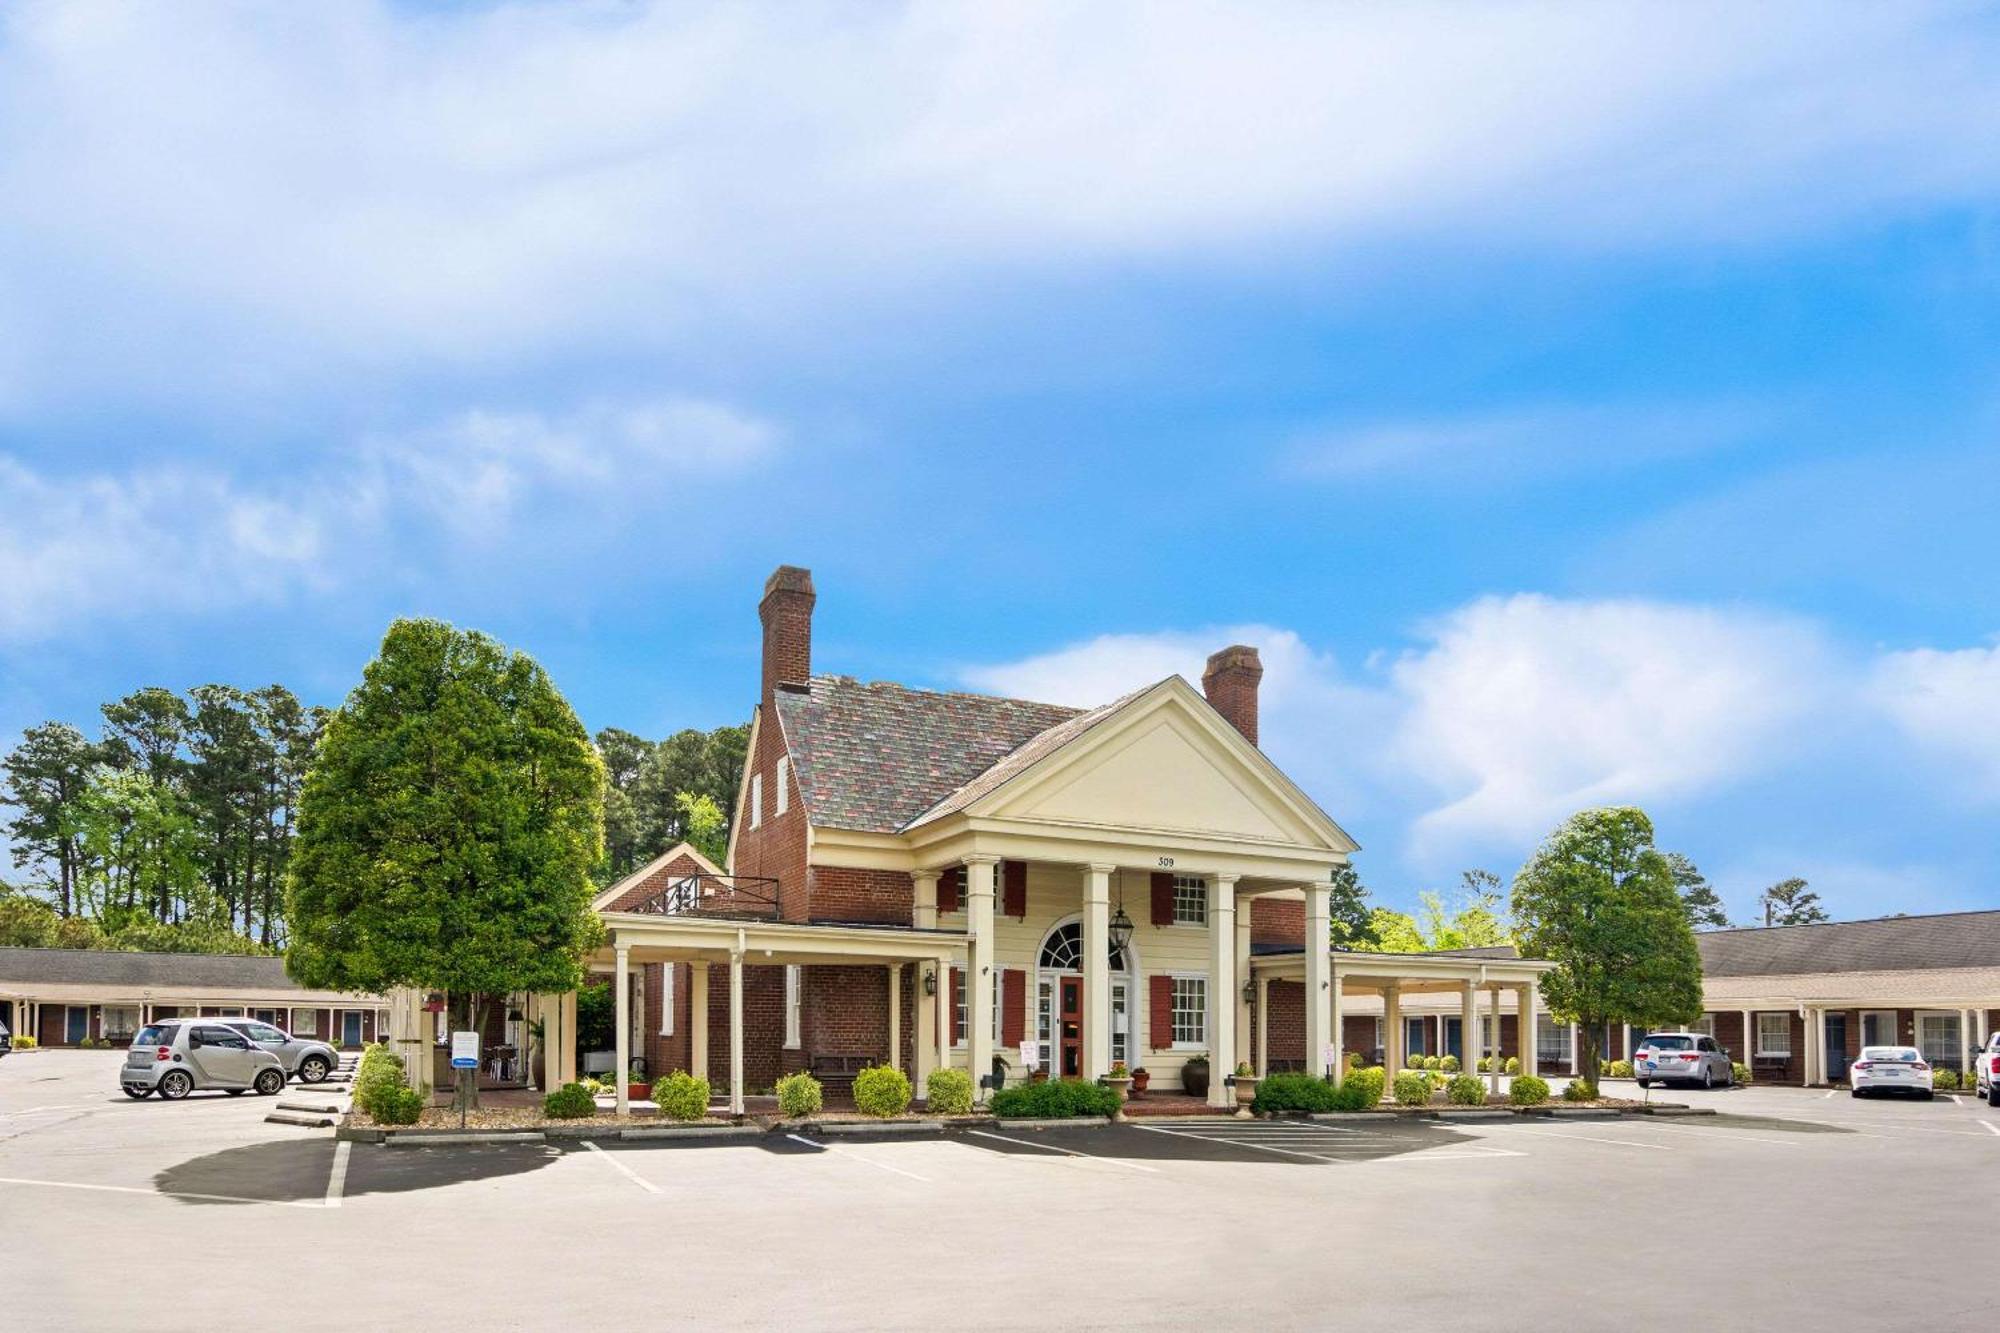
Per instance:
{"type": "Point", "coordinates": [744, 897]}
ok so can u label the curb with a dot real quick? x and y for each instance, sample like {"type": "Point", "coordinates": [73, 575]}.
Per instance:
{"type": "Point", "coordinates": [1675, 1110]}
{"type": "Point", "coordinates": [1057, 1122]}
{"type": "Point", "coordinates": [1478, 1113]}
{"type": "Point", "coordinates": [1583, 1113]}
{"type": "Point", "coordinates": [446, 1138]}
{"type": "Point", "coordinates": [839, 1129]}
{"type": "Point", "coordinates": [318, 1108]}
{"type": "Point", "coordinates": [693, 1132]}
{"type": "Point", "coordinates": [299, 1118]}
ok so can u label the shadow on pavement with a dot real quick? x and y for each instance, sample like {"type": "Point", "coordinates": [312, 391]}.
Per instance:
{"type": "Point", "coordinates": [289, 1172]}
{"type": "Point", "coordinates": [1266, 1143]}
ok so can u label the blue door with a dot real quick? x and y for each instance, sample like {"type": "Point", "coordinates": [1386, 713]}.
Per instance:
{"type": "Point", "coordinates": [76, 1024]}
{"type": "Point", "coordinates": [1454, 1038]}
{"type": "Point", "coordinates": [350, 1028]}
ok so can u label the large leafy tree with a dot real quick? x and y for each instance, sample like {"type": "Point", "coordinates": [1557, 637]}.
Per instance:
{"type": "Point", "coordinates": [142, 853]}
{"type": "Point", "coordinates": [1353, 923]}
{"type": "Point", "coordinates": [448, 827]}
{"type": "Point", "coordinates": [44, 777]}
{"type": "Point", "coordinates": [1698, 897]}
{"type": "Point", "coordinates": [1599, 901]}
{"type": "Point", "coordinates": [1790, 903]}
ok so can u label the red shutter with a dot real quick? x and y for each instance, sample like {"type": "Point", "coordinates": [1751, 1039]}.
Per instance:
{"type": "Point", "coordinates": [1163, 1011]}
{"type": "Point", "coordinates": [951, 889]}
{"type": "Point", "coordinates": [957, 999]}
{"type": "Point", "coordinates": [1013, 1006]}
{"type": "Point", "coordinates": [1163, 898]}
{"type": "Point", "coordinates": [1014, 889]}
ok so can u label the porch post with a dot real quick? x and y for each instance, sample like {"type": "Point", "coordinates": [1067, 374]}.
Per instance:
{"type": "Point", "coordinates": [941, 1014]}
{"type": "Point", "coordinates": [1337, 1028]}
{"type": "Point", "coordinates": [1468, 1027]}
{"type": "Point", "coordinates": [1493, 1005]}
{"type": "Point", "coordinates": [1810, 1056]}
{"type": "Point", "coordinates": [1222, 997]}
{"type": "Point", "coordinates": [1749, 1041]}
{"type": "Point", "coordinates": [895, 1015]}
{"type": "Point", "coordinates": [1319, 975]}
{"type": "Point", "coordinates": [1243, 1043]}
{"type": "Point", "coordinates": [1263, 1026]}
{"type": "Point", "coordinates": [736, 1029]}
{"type": "Point", "coordinates": [1574, 1055]}
{"type": "Point", "coordinates": [1097, 974]}
{"type": "Point", "coordinates": [622, 991]}
{"type": "Point", "coordinates": [1964, 1040]}
{"type": "Point", "coordinates": [924, 917]}
{"type": "Point", "coordinates": [1529, 1026]}
{"type": "Point", "coordinates": [1392, 1031]}
{"type": "Point", "coordinates": [698, 1019]}
{"type": "Point", "coordinates": [979, 973]}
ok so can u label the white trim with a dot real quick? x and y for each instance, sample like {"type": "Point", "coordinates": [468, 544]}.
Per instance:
{"type": "Point", "coordinates": [792, 1001]}
{"type": "Point", "coordinates": [667, 999]}
{"type": "Point", "coordinates": [780, 774]}
{"type": "Point", "coordinates": [756, 800]}
{"type": "Point", "coordinates": [1202, 1010]}
{"type": "Point", "coordinates": [1895, 1037]}
{"type": "Point", "coordinates": [1757, 1018]}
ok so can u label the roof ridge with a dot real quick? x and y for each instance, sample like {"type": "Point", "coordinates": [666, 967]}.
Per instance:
{"type": "Point", "coordinates": [834, 677]}
{"type": "Point", "coordinates": [1857, 921]}
{"type": "Point", "coordinates": [139, 953]}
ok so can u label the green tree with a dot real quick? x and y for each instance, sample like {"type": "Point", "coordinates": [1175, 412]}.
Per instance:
{"type": "Point", "coordinates": [1698, 897]}
{"type": "Point", "coordinates": [1790, 903]}
{"type": "Point", "coordinates": [1599, 901]}
{"type": "Point", "coordinates": [26, 922]}
{"type": "Point", "coordinates": [1353, 924]}
{"type": "Point", "coordinates": [707, 763]}
{"type": "Point", "coordinates": [184, 937]}
{"type": "Point", "coordinates": [142, 851]}
{"type": "Point", "coordinates": [703, 825]}
{"type": "Point", "coordinates": [1391, 931]}
{"type": "Point", "coordinates": [44, 776]}
{"type": "Point", "coordinates": [448, 827]}
{"type": "Point", "coordinates": [625, 758]}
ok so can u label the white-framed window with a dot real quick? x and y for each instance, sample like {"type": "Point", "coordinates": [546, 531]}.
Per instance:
{"type": "Point", "coordinates": [1551, 1040]}
{"type": "Point", "coordinates": [1705, 1025]}
{"type": "Point", "coordinates": [998, 994]}
{"type": "Point", "coordinates": [1379, 1020]}
{"type": "Point", "coordinates": [1487, 1046]}
{"type": "Point", "coordinates": [1190, 900]}
{"type": "Point", "coordinates": [792, 989]}
{"type": "Point", "coordinates": [1878, 1028]}
{"type": "Point", "coordinates": [305, 1022]}
{"type": "Point", "coordinates": [756, 800]}
{"type": "Point", "coordinates": [1121, 1045]}
{"type": "Point", "coordinates": [1937, 1037]}
{"type": "Point", "coordinates": [120, 1021]}
{"type": "Point", "coordinates": [666, 999]}
{"type": "Point", "coordinates": [1189, 1011]}
{"type": "Point", "coordinates": [1774, 1034]}
{"type": "Point", "coordinates": [782, 777]}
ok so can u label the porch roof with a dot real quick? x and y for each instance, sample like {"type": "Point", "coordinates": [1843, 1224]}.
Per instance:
{"type": "Point", "coordinates": [650, 937]}
{"type": "Point", "coordinates": [1410, 973]}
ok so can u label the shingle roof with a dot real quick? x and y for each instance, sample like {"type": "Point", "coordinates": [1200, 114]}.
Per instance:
{"type": "Point", "coordinates": [106, 967]}
{"type": "Point", "coordinates": [874, 757]}
{"type": "Point", "coordinates": [1047, 742]}
{"type": "Point", "coordinates": [1884, 944]}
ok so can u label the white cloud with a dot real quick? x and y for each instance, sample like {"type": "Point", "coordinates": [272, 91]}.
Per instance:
{"type": "Point", "coordinates": [240, 195]}
{"type": "Point", "coordinates": [1948, 702]}
{"type": "Point", "coordinates": [125, 544]}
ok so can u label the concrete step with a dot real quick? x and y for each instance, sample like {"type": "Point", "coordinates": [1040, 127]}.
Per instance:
{"type": "Point", "coordinates": [303, 1119]}
{"type": "Point", "coordinates": [318, 1107]}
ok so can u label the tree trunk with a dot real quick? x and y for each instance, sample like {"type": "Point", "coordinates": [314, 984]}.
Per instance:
{"type": "Point", "coordinates": [1591, 1063]}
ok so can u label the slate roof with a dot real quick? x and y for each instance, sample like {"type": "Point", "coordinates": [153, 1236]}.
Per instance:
{"type": "Point", "coordinates": [222, 972]}
{"type": "Point", "coordinates": [876, 757]}
{"type": "Point", "coordinates": [1883, 944]}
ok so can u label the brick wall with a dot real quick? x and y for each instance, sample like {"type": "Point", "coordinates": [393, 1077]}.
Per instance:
{"type": "Point", "coordinates": [845, 893]}
{"type": "Point", "coordinates": [1287, 1024]}
{"type": "Point", "coordinates": [763, 1025]}
{"type": "Point", "coordinates": [654, 882]}
{"type": "Point", "coordinates": [776, 849]}
{"type": "Point", "coordinates": [1277, 921]}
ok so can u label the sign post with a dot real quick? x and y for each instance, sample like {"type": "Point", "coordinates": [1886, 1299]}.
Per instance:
{"type": "Point", "coordinates": [465, 1063]}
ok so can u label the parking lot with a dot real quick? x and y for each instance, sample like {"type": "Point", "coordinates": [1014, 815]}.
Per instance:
{"type": "Point", "coordinates": [1735, 1221]}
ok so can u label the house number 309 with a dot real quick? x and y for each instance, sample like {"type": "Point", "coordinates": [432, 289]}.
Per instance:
{"type": "Point", "coordinates": [1166, 862]}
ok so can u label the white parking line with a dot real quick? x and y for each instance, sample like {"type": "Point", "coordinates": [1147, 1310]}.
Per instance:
{"type": "Point", "coordinates": [1721, 1134]}
{"type": "Point", "coordinates": [857, 1157]}
{"type": "Point", "coordinates": [1067, 1152]}
{"type": "Point", "coordinates": [1989, 1127]}
{"type": "Point", "coordinates": [1590, 1138]}
{"type": "Point", "coordinates": [1234, 1143]}
{"type": "Point", "coordinates": [162, 1194]}
{"type": "Point", "coordinates": [1829, 1094]}
{"type": "Point", "coordinates": [336, 1181]}
{"type": "Point", "coordinates": [623, 1169]}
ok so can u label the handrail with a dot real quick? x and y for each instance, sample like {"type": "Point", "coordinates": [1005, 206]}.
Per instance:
{"type": "Point", "coordinates": [704, 894]}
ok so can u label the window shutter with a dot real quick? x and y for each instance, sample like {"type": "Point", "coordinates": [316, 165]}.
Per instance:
{"type": "Point", "coordinates": [1014, 889]}
{"type": "Point", "coordinates": [1163, 899]}
{"type": "Point", "coordinates": [951, 889]}
{"type": "Point", "coordinates": [1013, 1006]}
{"type": "Point", "coordinates": [1163, 1010]}
{"type": "Point", "coordinates": [957, 999]}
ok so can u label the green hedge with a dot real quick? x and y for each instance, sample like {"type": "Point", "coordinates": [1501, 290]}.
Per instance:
{"type": "Point", "coordinates": [1618, 1069]}
{"type": "Point", "coordinates": [1513, 1065]}
{"type": "Point", "coordinates": [1449, 1064]}
{"type": "Point", "coordinates": [376, 1079]}
{"type": "Point", "coordinates": [1579, 1091]}
{"type": "Point", "coordinates": [1295, 1092]}
{"type": "Point", "coordinates": [1528, 1090]}
{"type": "Point", "coordinates": [682, 1096]}
{"type": "Point", "coordinates": [799, 1095]}
{"type": "Point", "coordinates": [572, 1101]}
{"type": "Point", "coordinates": [401, 1105]}
{"type": "Point", "coordinates": [1944, 1080]}
{"type": "Point", "coordinates": [881, 1090]}
{"type": "Point", "coordinates": [1057, 1099]}
{"type": "Point", "coordinates": [948, 1092]}
{"type": "Point", "coordinates": [1465, 1090]}
{"type": "Point", "coordinates": [1741, 1073]}
{"type": "Point", "coordinates": [1360, 1090]}
{"type": "Point", "coordinates": [1413, 1088]}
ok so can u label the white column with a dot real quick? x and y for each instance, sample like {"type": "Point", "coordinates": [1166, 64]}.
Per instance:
{"type": "Point", "coordinates": [1749, 1038]}
{"type": "Point", "coordinates": [924, 917]}
{"type": "Point", "coordinates": [1097, 974]}
{"type": "Point", "coordinates": [622, 1041]}
{"type": "Point", "coordinates": [1468, 1009]}
{"type": "Point", "coordinates": [1964, 1040]}
{"type": "Point", "coordinates": [1336, 1028]}
{"type": "Point", "coordinates": [1808, 1062]}
{"type": "Point", "coordinates": [1222, 997]}
{"type": "Point", "coordinates": [1575, 1056]}
{"type": "Point", "coordinates": [1493, 1006]}
{"type": "Point", "coordinates": [1243, 1042]}
{"type": "Point", "coordinates": [1528, 1024]}
{"type": "Point", "coordinates": [895, 1015]}
{"type": "Point", "coordinates": [1319, 974]}
{"type": "Point", "coordinates": [979, 973]}
{"type": "Point", "coordinates": [736, 1031]}
{"type": "Point", "coordinates": [1392, 1030]}
{"type": "Point", "coordinates": [1263, 1026]}
{"type": "Point", "coordinates": [940, 1007]}
{"type": "Point", "coordinates": [698, 1019]}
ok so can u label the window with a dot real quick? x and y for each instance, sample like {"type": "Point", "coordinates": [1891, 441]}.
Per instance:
{"type": "Point", "coordinates": [1937, 1038]}
{"type": "Point", "coordinates": [791, 1006]}
{"type": "Point", "coordinates": [756, 800]}
{"type": "Point", "coordinates": [1190, 900]}
{"type": "Point", "coordinates": [120, 1021]}
{"type": "Point", "coordinates": [1190, 1010]}
{"type": "Point", "coordinates": [1378, 1032]}
{"type": "Point", "coordinates": [233, 1040]}
{"type": "Point", "coordinates": [1705, 1025]}
{"type": "Point", "coordinates": [997, 974]}
{"type": "Point", "coordinates": [1774, 1034]}
{"type": "Point", "coordinates": [1551, 1040]}
{"type": "Point", "coordinates": [783, 774]}
{"type": "Point", "coordinates": [666, 999]}
{"type": "Point", "coordinates": [305, 1022]}
{"type": "Point", "coordinates": [264, 1032]}
{"type": "Point", "coordinates": [1063, 951]}
{"type": "Point", "coordinates": [1878, 1027]}
{"type": "Point", "coordinates": [159, 1034]}
{"type": "Point", "coordinates": [1120, 1038]}
{"type": "Point", "coordinates": [962, 1024]}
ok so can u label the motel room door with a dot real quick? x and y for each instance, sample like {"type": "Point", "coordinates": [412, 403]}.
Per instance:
{"type": "Point", "coordinates": [1836, 1046]}
{"type": "Point", "coordinates": [1069, 1027]}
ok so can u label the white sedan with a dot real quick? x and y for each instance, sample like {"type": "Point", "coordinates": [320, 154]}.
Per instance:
{"type": "Point", "coordinates": [1890, 1069]}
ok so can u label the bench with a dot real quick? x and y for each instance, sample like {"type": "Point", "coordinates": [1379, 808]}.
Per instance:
{"type": "Point", "coordinates": [836, 1073]}
{"type": "Point", "coordinates": [1770, 1067]}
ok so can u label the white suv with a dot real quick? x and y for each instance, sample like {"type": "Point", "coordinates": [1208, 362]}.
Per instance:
{"type": "Point", "coordinates": [1984, 1064]}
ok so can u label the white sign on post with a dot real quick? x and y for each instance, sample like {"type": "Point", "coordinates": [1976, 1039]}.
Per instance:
{"type": "Point", "coordinates": [1031, 1055]}
{"type": "Point", "coordinates": [465, 1050]}
{"type": "Point", "coordinates": [1326, 1054]}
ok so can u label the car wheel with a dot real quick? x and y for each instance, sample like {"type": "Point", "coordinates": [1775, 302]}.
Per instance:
{"type": "Point", "coordinates": [1993, 1094]}
{"type": "Point", "coordinates": [138, 1094]}
{"type": "Point", "coordinates": [1708, 1080]}
{"type": "Point", "coordinates": [313, 1069]}
{"type": "Point", "coordinates": [175, 1084]}
{"type": "Point", "coordinates": [270, 1082]}
{"type": "Point", "coordinates": [1645, 1083]}
{"type": "Point", "coordinates": [1928, 1095]}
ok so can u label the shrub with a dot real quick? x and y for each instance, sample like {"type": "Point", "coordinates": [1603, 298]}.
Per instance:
{"type": "Point", "coordinates": [1449, 1064]}
{"type": "Point", "coordinates": [1360, 1090]}
{"type": "Point", "coordinates": [377, 1077]}
{"type": "Point", "coordinates": [1465, 1090]}
{"type": "Point", "coordinates": [1944, 1080]}
{"type": "Point", "coordinates": [1294, 1092]}
{"type": "Point", "coordinates": [572, 1101]}
{"type": "Point", "coordinates": [401, 1104]}
{"type": "Point", "coordinates": [682, 1096]}
{"type": "Point", "coordinates": [1579, 1091]}
{"type": "Point", "coordinates": [1741, 1073]}
{"type": "Point", "coordinates": [1617, 1069]}
{"type": "Point", "coordinates": [949, 1091]}
{"type": "Point", "coordinates": [1057, 1099]}
{"type": "Point", "coordinates": [24, 1042]}
{"type": "Point", "coordinates": [799, 1095]}
{"type": "Point", "coordinates": [1513, 1065]}
{"type": "Point", "coordinates": [1528, 1090]}
{"type": "Point", "coordinates": [1413, 1089]}
{"type": "Point", "coordinates": [881, 1091]}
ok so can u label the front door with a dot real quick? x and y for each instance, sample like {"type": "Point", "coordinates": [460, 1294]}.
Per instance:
{"type": "Point", "coordinates": [1069, 1024]}
{"type": "Point", "coordinates": [76, 1024]}
{"type": "Point", "coordinates": [350, 1028]}
{"type": "Point", "coordinates": [1453, 1039]}
{"type": "Point", "coordinates": [1836, 1046]}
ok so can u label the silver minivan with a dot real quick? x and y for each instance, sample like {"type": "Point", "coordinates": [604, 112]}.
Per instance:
{"type": "Point", "coordinates": [186, 1055]}
{"type": "Point", "coordinates": [1681, 1057]}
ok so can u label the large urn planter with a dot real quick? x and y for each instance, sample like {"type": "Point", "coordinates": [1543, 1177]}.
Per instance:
{"type": "Point", "coordinates": [1118, 1083]}
{"type": "Point", "coordinates": [1194, 1077]}
{"type": "Point", "coordinates": [1246, 1091]}
{"type": "Point", "coordinates": [1140, 1078]}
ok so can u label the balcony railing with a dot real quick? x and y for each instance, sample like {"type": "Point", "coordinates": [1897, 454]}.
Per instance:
{"type": "Point", "coordinates": [740, 897]}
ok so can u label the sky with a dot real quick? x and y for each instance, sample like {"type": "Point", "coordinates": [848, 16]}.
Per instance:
{"type": "Point", "coordinates": [1576, 405]}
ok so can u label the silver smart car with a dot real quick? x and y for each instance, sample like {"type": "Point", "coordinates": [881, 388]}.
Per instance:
{"type": "Point", "coordinates": [182, 1055]}
{"type": "Point", "coordinates": [308, 1060]}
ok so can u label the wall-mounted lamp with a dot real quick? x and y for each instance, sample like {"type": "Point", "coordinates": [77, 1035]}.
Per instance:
{"type": "Point", "coordinates": [930, 981]}
{"type": "Point", "coordinates": [1249, 991]}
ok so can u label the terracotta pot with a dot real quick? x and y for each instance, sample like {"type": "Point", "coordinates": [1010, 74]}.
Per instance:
{"type": "Point", "coordinates": [1140, 1078]}
{"type": "Point", "coordinates": [638, 1092]}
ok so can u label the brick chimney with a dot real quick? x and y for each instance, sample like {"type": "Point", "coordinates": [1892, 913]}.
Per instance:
{"type": "Point", "coordinates": [787, 613]}
{"type": "Point", "coordinates": [1230, 682]}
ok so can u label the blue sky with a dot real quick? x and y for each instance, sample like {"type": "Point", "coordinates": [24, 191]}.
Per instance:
{"type": "Point", "coordinates": [1575, 404]}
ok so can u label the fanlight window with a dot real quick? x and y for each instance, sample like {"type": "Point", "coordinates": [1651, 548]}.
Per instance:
{"type": "Point", "coordinates": [1063, 951]}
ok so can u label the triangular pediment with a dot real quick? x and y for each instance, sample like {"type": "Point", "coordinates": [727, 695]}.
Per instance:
{"type": "Point", "coordinates": [1165, 761]}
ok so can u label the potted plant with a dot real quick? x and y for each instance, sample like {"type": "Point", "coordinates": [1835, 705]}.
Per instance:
{"type": "Point", "coordinates": [1140, 1078]}
{"type": "Point", "coordinates": [1118, 1080]}
{"type": "Point", "coordinates": [1246, 1089]}
{"type": "Point", "coordinates": [1194, 1076]}
{"type": "Point", "coordinates": [638, 1087]}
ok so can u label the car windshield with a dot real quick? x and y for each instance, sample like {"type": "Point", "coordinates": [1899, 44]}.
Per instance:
{"type": "Point", "coordinates": [1671, 1042]}
{"type": "Point", "coordinates": [1903, 1054]}
{"type": "Point", "coordinates": [155, 1034]}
